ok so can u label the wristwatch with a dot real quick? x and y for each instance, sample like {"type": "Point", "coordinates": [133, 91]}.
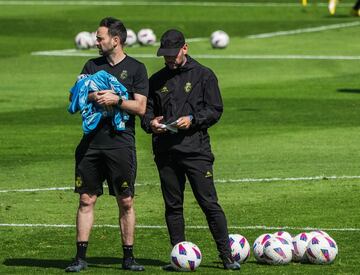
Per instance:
{"type": "Point", "coordinates": [120, 101]}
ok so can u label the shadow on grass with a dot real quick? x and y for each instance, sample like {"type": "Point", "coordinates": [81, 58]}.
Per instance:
{"type": "Point", "coordinates": [96, 262]}
{"type": "Point", "coordinates": [344, 90]}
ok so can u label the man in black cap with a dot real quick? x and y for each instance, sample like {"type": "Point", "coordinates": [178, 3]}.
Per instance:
{"type": "Point", "coordinates": [184, 101]}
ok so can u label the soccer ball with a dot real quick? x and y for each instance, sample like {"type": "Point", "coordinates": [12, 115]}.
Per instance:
{"type": "Point", "coordinates": [277, 251]}
{"type": "Point", "coordinates": [240, 248]}
{"type": "Point", "coordinates": [185, 256]}
{"type": "Point", "coordinates": [258, 247]}
{"type": "Point", "coordinates": [219, 39]}
{"type": "Point", "coordinates": [130, 38]}
{"type": "Point", "coordinates": [84, 40]}
{"type": "Point", "coordinates": [321, 250]}
{"type": "Point", "coordinates": [300, 243]}
{"type": "Point", "coordinates": [146, 37]}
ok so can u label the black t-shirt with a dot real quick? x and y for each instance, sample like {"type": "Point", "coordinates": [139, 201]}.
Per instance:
{"type": "Point", "coordinates": [132, 74]}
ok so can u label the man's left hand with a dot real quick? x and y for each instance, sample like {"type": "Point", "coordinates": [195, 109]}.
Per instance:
{"type": "Point", "coordinates": [107, 98]}
{"type": "Point", "coordinates": [183, 122]}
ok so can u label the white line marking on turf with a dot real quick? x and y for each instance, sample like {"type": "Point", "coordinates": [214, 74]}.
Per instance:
{"type": "Point", "coordinates": [155, 3]}
{"type": "Point", "coordinates": [249, 227]}
{"type": "Point", "coordinates": [79, 53]}
{"type": "Point", "coordinates": [245, 180]}
{"type": "Point", "coordinates": [306, 30]}
{"type": "Point", "coordinates": [37, 189]}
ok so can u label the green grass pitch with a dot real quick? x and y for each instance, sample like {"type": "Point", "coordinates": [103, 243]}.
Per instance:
{"type": "Point", "coordinates": [291, 111]}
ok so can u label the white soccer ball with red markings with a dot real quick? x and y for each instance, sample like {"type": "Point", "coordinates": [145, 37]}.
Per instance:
{"type": "Point", "coordinates": [146, 37]}
{"type": "Point", "coordinates": [130, 37]}
{"type": "Point", "coordinates": [219, 39]}
{"type": "Point", "coordinates": [321, 249]}
{"type": "Point", "coordinates": [258, 247]}
{"type": "Point", "coordinates": [240, 248]}
{"type": "Point", "coordinates": [84, 40]}
{"type": "Point", "coordinates": [300, 242]}
{"type": "Point", "coordinates": [277, 251]}
{"type": "Point", "coordinates": [185, 256]}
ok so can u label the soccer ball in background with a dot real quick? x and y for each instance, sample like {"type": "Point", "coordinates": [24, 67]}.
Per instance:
{"type": "Point", "coordinates": [130, 38]}
{"type": "Point", "coordinates": [321, 249]}
{"type": "Point", "coordinates": [277, 251]}
{"type": "Point", "coordinates": [219, 39]}
{"type": "Point", "coordinates": [185, 256]}
{"type": "Point", "coordinates": [240, 248]}
{"type": "Point", "coordinates": [84, 40]}
{"type": "Point", "coordinates": [146, 37]}
{"type": "Point", "coordinates": [300, 243]}
{"type": "Point", "coordinates": [258, 247]}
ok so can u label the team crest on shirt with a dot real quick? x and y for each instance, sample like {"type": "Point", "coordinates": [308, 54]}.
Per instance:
{"type": "Point", "coordinates": [164, 89]}
{"type": "Point", "coordinates": [124, 74]}
{"type": "Point", "coordinates": [187, 87]}
{"type": "Point", "coordinates": [78, 182]}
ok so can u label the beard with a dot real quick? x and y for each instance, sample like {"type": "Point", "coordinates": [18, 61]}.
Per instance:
{"type": "Point", "coordinates": [105, 52]}
{"type": "Point", "coordinates": [173, 65]}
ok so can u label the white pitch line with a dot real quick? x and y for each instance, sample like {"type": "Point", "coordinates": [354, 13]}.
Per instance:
{"type": "Point", "coordinates": [249, 227]}
{"type": "Point", "coordinates": [78, 53]}
{"type": "Point", "coordinates": [305, 30]}
{"type": "Point", "coordinates": [244, 180]}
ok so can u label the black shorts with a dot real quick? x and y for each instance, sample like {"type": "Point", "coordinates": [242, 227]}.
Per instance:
{"type": "Point", "coordinates": [116, 166]}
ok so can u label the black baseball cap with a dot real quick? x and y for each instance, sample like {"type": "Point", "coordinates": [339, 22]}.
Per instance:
{"type": "Point", "coordinates": [171, 42]}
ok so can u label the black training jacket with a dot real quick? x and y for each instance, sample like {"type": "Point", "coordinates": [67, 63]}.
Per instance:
{"type": "Point", "coordinates": [190, 90]}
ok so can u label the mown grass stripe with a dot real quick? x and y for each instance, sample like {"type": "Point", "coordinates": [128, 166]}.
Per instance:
{"type": "Point", "coordinates": [158, 3]}
{"type": "Point", "coordinates": [244, 180]}
{"type": "Point", "coordinates": [305, 30]}
{"type": "Point", "coordinates": [73, 52]}
{"type": "Point", "coordinates": [141, 226]}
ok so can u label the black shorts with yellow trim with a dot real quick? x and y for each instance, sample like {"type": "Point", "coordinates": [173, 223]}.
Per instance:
{"type": "Point", "coordinates": [116, 166]}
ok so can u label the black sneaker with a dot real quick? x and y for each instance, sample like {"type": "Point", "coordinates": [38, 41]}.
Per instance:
{"type": "Point", "coordinates": [131, 264]}
{"type": "Point", "coordinates": [230, 264]}
{"type": "Point", "coordinates": [168, 267]}
{"type": "Point", "coordinates": [76, 266]}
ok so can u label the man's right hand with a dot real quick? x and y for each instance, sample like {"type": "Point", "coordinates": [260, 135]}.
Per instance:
{"type": "Point", "coordinates": [156, 125]}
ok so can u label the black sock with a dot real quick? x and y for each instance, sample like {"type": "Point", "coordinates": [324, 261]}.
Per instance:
{"type": "Point", "coordinates": [81, 250]}
{"type": "Point", "coordinates": [128, 251]}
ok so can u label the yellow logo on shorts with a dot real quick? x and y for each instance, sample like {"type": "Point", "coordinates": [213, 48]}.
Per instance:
{"type": "Point", "coordinates": [78, 182]}
{"type": "Point", "coordinates": [208, 174]}
{"type": "Point", "coordinates": [124, 185]}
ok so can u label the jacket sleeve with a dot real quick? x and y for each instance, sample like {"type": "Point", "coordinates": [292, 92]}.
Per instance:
{"type": "Point", "coordinates": [150, 113]}
{"type": "Point", "coordinates": [212, 106]}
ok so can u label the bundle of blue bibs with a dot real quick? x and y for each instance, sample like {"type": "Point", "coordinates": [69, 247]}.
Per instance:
{"type": "Point", "coordinates": [91, 112]}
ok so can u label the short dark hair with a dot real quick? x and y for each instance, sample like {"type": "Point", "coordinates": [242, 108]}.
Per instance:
{"type": "Point", "coordinates": [115, 28]}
